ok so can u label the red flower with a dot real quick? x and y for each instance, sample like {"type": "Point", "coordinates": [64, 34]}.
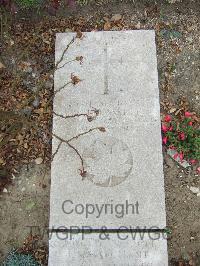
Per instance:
{"type": "Point", "coordinates": [167, 118]}
{"type": "Point", "coordinates": [176, 156]}
{"type": "Point", "coordinates": [188, 114]}
{"type": "Point", "coordinates": [190, 123]}
{"type": "Point", "coordinates": [198, 170]}
{"type": "Point", "coordinates": [172, 147]}
{"type": "Point", "coordinates": [171, 128]}
{"type": "Point", "coordinates": [193, 161]}
{"type": "Point", "coordinates": [165, 140]}
{"type": "Point", "coordinates": [164, 128]}
{"type": "Point", "coordinates": [182, 136]}
{"type": "Point", "coordinates": [181, 156]}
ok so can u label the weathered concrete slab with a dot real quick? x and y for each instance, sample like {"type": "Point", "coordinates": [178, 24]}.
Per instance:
{"type": "Point", "coordinates": [120, 249]}
{"type": "Point", "coordinates": [121, 181]}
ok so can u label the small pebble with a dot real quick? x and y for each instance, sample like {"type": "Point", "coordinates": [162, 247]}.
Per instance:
{"type": "Point", "coordinates": [195, 190]}
{"type": "Point", "coordinates": [34, 89]}
{"type": "Point", "coordinates": [137, 26]}
{"type": "Point", "coordinates": [5, 190]}
{"type": "Point", "coordinates": [68, 30]}
{"type": "Point", "coordinates": [36, 102]}
{"type": "Point", "coordinates": [28, 70]}
{"type": "Point", "coordinates": [48, 84]}
{"type": "Point", "coordinates": [38, 160]}
{"type": "Point", "coordinates": [116, 17]}
{"type": "Point", "coordinates": [26, 111]}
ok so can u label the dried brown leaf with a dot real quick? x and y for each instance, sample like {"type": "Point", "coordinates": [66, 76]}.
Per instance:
{"type": "Point", "coordinates": [178, 111]}
{"type": "Point", "coordinates": [116, 17]}
{"type": "Point", "coordinates": [102, 129]}
{"type": "Point", "coordinates": [75, 79]}
{"type": "Point", "coordinates": [2, 66]}
{"type": "Point", "coordinates": [172, 110]}
{"type": "Point", "coordinates": [38, 160]}
{"type": "Point", "coordinates": [79, 58]}
{"type": "Point", "coordinates": [107, 26]}
{"type": "Point", "coordinates": [83, 173]}
{"type": "Point", "coordinates": [79, 34]}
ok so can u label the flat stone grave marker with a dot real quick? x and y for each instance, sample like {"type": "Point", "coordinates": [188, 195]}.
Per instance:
{"type": "Point", "coordinates": [107, 155]}
{"type": "Point", "coordinates": [121, 249]}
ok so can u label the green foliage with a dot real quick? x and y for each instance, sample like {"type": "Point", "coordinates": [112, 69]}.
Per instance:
{"type": "Point", "coordinates": [97, 2]}
{"type": "Point", "coordinates": [83, 2]}
{"type": "Point", "coordinates": [28, 3]}
{"type": "Point", "coordinates": [183, 136]}
{"type": "Point", "coordinates": [168, 231]}
{"type": "Point", "coordinates": [17, 259]}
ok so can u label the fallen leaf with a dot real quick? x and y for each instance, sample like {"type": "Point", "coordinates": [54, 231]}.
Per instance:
{"type": "Point", "coordinates": [102, 129]}
{"type": "Point", "coordinates": [107, 26]}
{"type": "Point", "coordinates": [196, 118]}
{"type": "Point", "coordinates": [75, 79]}
{"type": "Point", "coordinates": [172, 110]}
{"type": "Point", "coordinates": [177, 112]}
{"type": "Point", "coordinates": [106, 19]}
{"type": "Point", "coordinates": [116, 17]}
{"type": "Point", "coordinates": [79, 58]}
{"type": "Point", "coordinates": [12, 42]}
{"type": "Point", "coordinates": [38, 160]}
{"type": "Point", "coordinates": [2, 65]}
{"type": "Point", "coordinates": [5, 190]}
{"type": "Point", "coordinates": [79, 34]}
{"type": "Point", "coordinates": [138, 25]}
{"type": "Point", "coordinates": [25, 145]}
{"type": "Point", "coordinates": [2, 161]}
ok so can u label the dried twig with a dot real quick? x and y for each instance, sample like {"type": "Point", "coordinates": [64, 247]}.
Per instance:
{"type": "Point", "coordinates": [57, 149]}
{"type": "Point", "coordinates": [82, 170]}
{"type": "Point", "coordinates": [71, 146]}
{"type": "Point", "coordinates": [65, 50]}
{"type": "Point", "coordinates": [86, 132]}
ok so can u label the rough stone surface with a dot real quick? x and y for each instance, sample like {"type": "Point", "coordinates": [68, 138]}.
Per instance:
{"type": "Point", "coordinates": [90, 249]}
{"type": "Point", "coordinates": [123, 165]}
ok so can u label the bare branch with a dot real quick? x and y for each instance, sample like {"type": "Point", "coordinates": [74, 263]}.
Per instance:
{"type": "Point", "coordinates": [65, 50]}
{"type": "Point", "coordinates": [90, 115]}
{"type": "Point", "coordinates": [61, 88]}
{"type": "Point", "coordinates": [82, 170]}
{"type": "Point", "coordinates": [54, 154]}
{"type": "Point", "coordinates": [66, 63]}
{"type": "Point", "coordinates": [71, 146]}
{"type": "Point", "coordinates": [84, 133]}
{"type": "Point", "coordinates": [69, 116]}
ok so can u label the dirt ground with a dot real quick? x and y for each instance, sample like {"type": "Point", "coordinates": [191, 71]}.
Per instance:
{"type": "Point", "coordinates": [25, 209]}
{"type": "Point", "coordinates": [26, 201]}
